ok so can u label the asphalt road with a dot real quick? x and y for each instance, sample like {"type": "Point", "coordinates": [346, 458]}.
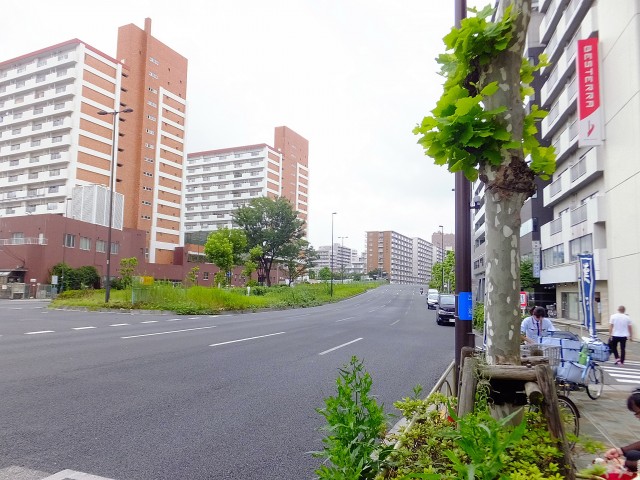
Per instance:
{"type": "Point", "coordinates": [159, 396]}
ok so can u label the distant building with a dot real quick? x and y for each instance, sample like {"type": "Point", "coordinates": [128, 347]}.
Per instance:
{"type": "Point", "coordinates": [221, 181]}
{"type": "Point", "coordinates": [393, 254]}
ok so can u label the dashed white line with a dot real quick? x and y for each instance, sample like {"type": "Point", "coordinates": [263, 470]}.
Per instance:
{"type": "Point", "coordinates": [340, 346]}
{"type": "Point", "coordinates": [150, 321]}
{"type": "Point", "coordinates": [344, 319]}
{"type": "Point", "coordinates": [174, 319]}
{"type": "Point", "coordinates": [194, 318]}
{"type": "Point", "coordinates": [165, 333]}
{"type": "Point", "coordinates": [119, 324]}
{"type": "Point", "coordinates": [394, 323]}
{"type": "Point", "coordinates": [245, 339]}
{"type": "Point", "coordinates": [82, 328]}
{"type": "Point", "coordinates": [41, 331]}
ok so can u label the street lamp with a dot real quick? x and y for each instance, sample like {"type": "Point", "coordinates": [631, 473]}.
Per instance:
{"type": "Point", "coordinates": [331, 260]}
{"type": "Point", "coordinates": [342, 259]}
{"type": "Point", "coordinates": [114, 113]}
{"type": "Point", "coordinates": [442, 253]}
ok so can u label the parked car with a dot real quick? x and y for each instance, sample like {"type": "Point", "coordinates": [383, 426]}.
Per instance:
{"type": "Point", "coordinates": [432, 301]}
{"type": "Point", "coordinates": [446, 310]}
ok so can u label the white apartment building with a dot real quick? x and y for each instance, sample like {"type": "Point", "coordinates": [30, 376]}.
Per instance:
{"type": "Point", "coordinates": [220, 181]}
{"type": "Point", "coordinates": [422, 260]}
{"type": "Point", "coordinates": [341, 258]}
{"type": "Point", "coordinates": [51, 138]}
{"type": "Point", "coordinates": [595, 191]}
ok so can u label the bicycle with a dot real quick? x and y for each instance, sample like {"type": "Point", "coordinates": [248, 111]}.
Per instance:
{"type": "Point", "coordinates": [570, 417]}
{"type": "Point", "coordinates": [575, 377]}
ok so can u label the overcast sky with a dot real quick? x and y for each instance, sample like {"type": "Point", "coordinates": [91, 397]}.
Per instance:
{"type": "Point", "coordinates": [352, 76]}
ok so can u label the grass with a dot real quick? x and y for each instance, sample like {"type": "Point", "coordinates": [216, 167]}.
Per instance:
{"type": "Point", "coordinates": [206, 300]}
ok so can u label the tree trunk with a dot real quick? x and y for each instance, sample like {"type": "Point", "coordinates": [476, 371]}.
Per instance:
{"type": "Point", "coordinates": [507, 186]}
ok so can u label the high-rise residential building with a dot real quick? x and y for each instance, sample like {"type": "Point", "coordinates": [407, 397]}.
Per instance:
{"type": "Point", "coordinates": [295, 168]}
{"type": "Point", "coordinates": [152, 169]}
{"type": "Point", "coordinates": [591, 90]}
{"type": "Point", "coordinates": [422, 260]}
{"type": "Point", "coordinates": [52, 138]}
{"type": "Point", "coordinates": [393, 254]}
{"type": "Point", "coordinates": [341, 260]}
{"type": "Point", "coordinates": [220, 181]}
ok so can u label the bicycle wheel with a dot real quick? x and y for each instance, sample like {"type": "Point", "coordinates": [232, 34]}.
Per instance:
{"type": "Point", "coordinates": [570, 417]}
{"type": "Point", "coordinates": [594, 381]}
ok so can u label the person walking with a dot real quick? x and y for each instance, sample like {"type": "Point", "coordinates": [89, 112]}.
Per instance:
{"type": "Point", "coordinates": [536, 326]}
{"type": "Point", "coordinates": [619, 332]}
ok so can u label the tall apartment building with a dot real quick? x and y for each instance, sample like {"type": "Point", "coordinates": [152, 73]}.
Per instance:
{"type": "Point", "coordinates": [393, 254]}
{"type": "Point", "coordinates": [52, 139]}
{"type": "Point", "coordinates": [422, 260]}
{"type": "Point", "coordinates": [152, 172]}
{"type": "Point", "coordinates": [342, 257]}
{"type": "Point", "coordinates": [220, 181]}
{"type": "Point", "coordinates": [596, 188]}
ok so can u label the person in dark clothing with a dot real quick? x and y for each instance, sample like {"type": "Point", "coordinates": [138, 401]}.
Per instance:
{"type": "Point", "coordinates": [630, 452]}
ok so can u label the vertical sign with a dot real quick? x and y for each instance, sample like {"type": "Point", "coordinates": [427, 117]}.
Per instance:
{"type": "Point", "coordinates": [535, 246]}
{"type": "Point", "coordinates": [590, 125]}
{"type": "Point", "coordinates": [587, 290]}
{"type": "Point", "coordinates": [465, 306]}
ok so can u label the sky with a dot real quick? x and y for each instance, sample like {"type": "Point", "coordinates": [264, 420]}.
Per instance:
{"type": "Point", "coordinates": [353, 77]}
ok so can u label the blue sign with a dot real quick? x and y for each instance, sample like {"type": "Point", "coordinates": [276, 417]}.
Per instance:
{"type": "Point", "coordinates": [587, 290]}
{"type": "Point", "coordinates": [465, 306]}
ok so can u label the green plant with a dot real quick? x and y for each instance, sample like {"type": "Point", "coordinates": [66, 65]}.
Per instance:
{"type": "Point", "coordinates": [127, 268]}
{"type": "Point", "coordinates": [478, 316]}
{"type": "Point", "coordinates": [355, 426]}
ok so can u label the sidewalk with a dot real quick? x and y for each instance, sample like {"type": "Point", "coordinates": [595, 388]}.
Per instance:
{"type": "Point", "coordinates": [607, 419]}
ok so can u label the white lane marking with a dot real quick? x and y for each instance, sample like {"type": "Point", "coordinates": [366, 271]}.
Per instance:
{"type": "Point", "coordinates": [41, 331]}
{"type": "Point", "coordinates": [118, 324]}
{"type": "Point", "coordinates": [344, 319]}
{"type": "Point", "coordinates": [194, 318]}
{"type": "Point", "coordinates": [15, 308]}
{"type": "Point", "coordinates": [340, 346]}
{"type": "Point", "coordinates": [622, 380]}
{"type": "Point", "coordinates": [174, 319]}
{"type": "Point", "coordinates": [150, 321]}
{"type": "Point", "coordinates": [371, 311]}
{"type": "Point", "coordinates": [74, 475]}
{"type": "Point", "coordinates": [82, 328]}
{"type": "Point", "coordinates": [395, 322]}
{"type": "Point", "coordinates": [245, 339]}
{"type": "Point", "coordinates": [165, 333]}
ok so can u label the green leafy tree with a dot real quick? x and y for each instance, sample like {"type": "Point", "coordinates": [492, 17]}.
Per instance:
{"type": "Point", "coordinates": [86, 277]}
{"type": "Point", "coordinates": [375, 273]}
{"type": "Point", "coordinates": [192, 276]}
{"type": "Point", "coordinates": [298, 257]}
{"type": "Point", "coordinates": [357, 277]}
{"type": "Point", "coordinates": [444, 283]}
{"type": "Point", "coordinates": [273, 225]}
{"type": "Point", "coordinates": [127, 269]}
{"type": "Point", "coordinates": [324, 274]}
{"type": "Point", "coordinates": [312, 274]}
{"type": "Point", "coordinates": [527, 280]}
{"type": "Point", "coordinates": [481, 128]}
{"type": "Point", "coordinates": [224, 248]}
{"type": "Point", "coordinates": [66, 276]}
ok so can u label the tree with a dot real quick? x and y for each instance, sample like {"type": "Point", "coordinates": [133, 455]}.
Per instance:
{"type": "Point", "coordinates": [272, 224]}
{"type": "Point", "coordinates": [375, 273]}
{"type": "Point", "coordinates": [127, 268]}
{"type": "Point", "coordinates": [192, 276]}
{"type": "Point", "coordinates": [324, 274]}
{"type": "Point", "coordinates": [298, 257]}
{"type": "Point", "coordinates": [479, 127]}
{"type": "Point", "coordinates": [448, 280]}
{"type": "Point", "coordinates": [527, 280]}
{"type": "Point", "coordinates": [224, 249]}
{"type": "Point", "coordinates": [87, 277]}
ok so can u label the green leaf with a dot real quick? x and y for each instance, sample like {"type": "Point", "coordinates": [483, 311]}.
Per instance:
{"type": "Point", "coordinates": [490, 89]}
{"type": "Point", "coordinates": [464, 105]}
{"type": "Point", "coordinates": [501, 133]}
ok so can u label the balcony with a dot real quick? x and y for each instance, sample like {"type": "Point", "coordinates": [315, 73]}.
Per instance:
{"type": "Point", "coordinates": [551, 19]}
{"type": "Point", "coordinates": [543, 5]}
{"type": "Point", "coordinates": [588, 168]}
{"type": "Point", "coordinates": [563, 70]}
{"type": "Point", "coordinates": [576, 13]}
{"type": "Point", "coordinates": [559, 112]}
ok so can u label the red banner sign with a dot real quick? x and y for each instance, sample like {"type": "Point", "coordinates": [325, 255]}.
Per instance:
{"type": "Point", "coordinates": [589, 108]}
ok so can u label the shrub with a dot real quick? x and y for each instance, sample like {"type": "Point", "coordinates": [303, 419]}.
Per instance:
{"type": "Point", "coordinates": [478, 316]}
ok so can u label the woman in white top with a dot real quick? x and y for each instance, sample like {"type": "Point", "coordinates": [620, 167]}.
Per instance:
{"type": "Point", "coordinates": [619, 331]}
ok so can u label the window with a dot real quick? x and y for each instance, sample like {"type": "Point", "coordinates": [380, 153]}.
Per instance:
{"type": "Point", "coordinates": [154, 61]}
{"type": "Point", "coordinates": [151, 117]}
{"type": "Point", "coordinates": [33, 175]}
{"type": "Point", "coordinates": [145, 217]}
{"type": "Point", "coordinates": [15, 146]}
{"type": "Point", "coordinates": [147, 174]}
{"type": "Point", "coordinates": [153, 75]}
{"type": "Point", "coordinates": [19, 100]}
{"type": "Point", "coordinates": [39, 94]}
{"type": "Point", "coordinates": [152, 90]}
{"type": "Point", "coordinates": [146, 189]}
{"type": "Point", "coordinates": [57, 122]}
{"type": "Point", "coordinates": [85, 243]}
{"type": "Point", "coordinates": [20, 84]}
{"type": "Point", "coordinates": [13, 178]}
{"type": "Point", "coordinates": [16, 131]}
{"type": "Point", "coordinates": [55, 155]}
{"type": "Point", "coordinates": [147, 159]}
{"type": "Point", "coordinates": [17, 238]}
{"type": "Point", "coordinates": [580, 245]}
{"type": "Point", "coordinates": [153, 104]}
{"type": "Point", "coordinates": [21, 69]}
{"type": "Point", "coordinates": [63, 56]}
{"type": "Point", "coordinates": [115, 248]}
{"type": "Point", "coordinates": [35, 143]}
{"type": "Point", "coordinates": [38, 110]}
{"type": "Point", "coordinates": [69, 240]}
{"type": "Point", "coordinates": [58, 106]}
{"type": "Point", "coordinates": [205, 275]}
{"type": "Point", "coordinates": [100, 246]}
{"type": "Point", "coordinates": [151, 132]}
{"type": "Point", "coordinates": [144, 202]}
{"type": "Point", "coordinates": [56, 139]}
{"type": "Point", "coordinates": [35, 159]}
{"type": "Point", "coordinates": [61, 73]}
{"type": "Point", "coordinates": [553, 256]}
{"type": "Point", "coordinates": [61, 89]}
{"type": "Point", "coordinates": [36, 126]}
{"type": "Point", "coordinates": [54, 173]}
{"type": "Point", "coordinates": [54, 189]}
{"type": "Point", "coordinates": [52, 206]}
{"type": "Point", "coordinates": [148, 145]}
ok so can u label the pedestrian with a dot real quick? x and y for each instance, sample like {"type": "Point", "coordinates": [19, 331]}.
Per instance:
{"type": "Point", "coordinates": [536, 326]}
{"type": "Point", "coordinates": [631, 452]}
{"type": "Point", "coordinates": [619, 333]}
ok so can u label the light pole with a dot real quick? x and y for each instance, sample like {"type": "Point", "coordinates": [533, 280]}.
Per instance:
{"type": "Point", "coordinates": [342, 260]}
{"type": "Point", "coordinates": [114, 113]}
{"type": "Point", "coordinates": [442, 252]}
{"type": "Point", "coordinates": [331, 260]}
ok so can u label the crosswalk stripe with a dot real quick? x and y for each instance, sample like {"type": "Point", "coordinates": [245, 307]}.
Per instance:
{"type": "Point", "coordinates": [73, 475]}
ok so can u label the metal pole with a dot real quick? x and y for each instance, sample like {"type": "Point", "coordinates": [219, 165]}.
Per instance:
{"type": "Point", "coordinates": [442, 254]}
{"type": "Point", "coordinates": [107, 290]}
{"type": "Point", "coordinates": [331, 260]}
{"type": "Point", "coordinates": [463, 329]}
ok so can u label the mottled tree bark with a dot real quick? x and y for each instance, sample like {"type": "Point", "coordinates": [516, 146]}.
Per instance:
{"type": "Point", "coordinates": [507, 186]}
